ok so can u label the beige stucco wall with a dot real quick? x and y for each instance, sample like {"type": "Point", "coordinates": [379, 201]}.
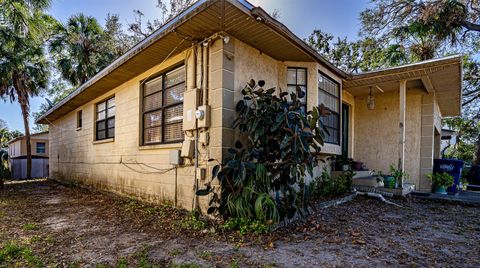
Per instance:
{"type": "Point", "coordinates": [250, 63]}
{"type": "Point", "coordinates": [377, 132]}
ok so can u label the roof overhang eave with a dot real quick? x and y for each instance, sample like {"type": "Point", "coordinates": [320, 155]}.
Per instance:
{"type": "Point", "coordinates": [158, 34]}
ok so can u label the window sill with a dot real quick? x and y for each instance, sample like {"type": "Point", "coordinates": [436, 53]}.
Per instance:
{"type": "Point", "coordinates": [161, 146]}
{"type": "Point", "coordinates": [79, 128]}
{"type": "Point", "coordinates": [331, 149]}
{"type": "Point", "coordinates": [104, 141]}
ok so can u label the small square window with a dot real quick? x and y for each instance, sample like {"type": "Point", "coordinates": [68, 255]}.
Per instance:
{"type": "Point", "coordinates": [41, 148]}
{"type": "Point", "coordinates": [79, 119]}
{"type": "Point", "coordinates": [297, 77]}
{"type": "Point", "coordinates": [105, 121]}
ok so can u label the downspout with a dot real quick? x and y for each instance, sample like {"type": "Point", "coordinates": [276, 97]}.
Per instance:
{"type": "Point", "coordinates": [206, 50]}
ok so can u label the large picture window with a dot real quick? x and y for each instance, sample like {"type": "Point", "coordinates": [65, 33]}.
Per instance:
{"type": "Point", "coordinates": [329, 95]}
{"type": "Point", "coordinates": [297, 77]}
{"type": "Point", "coordinates": [105, 119]}
{"type": "Point", "coordinates": [162, 108]}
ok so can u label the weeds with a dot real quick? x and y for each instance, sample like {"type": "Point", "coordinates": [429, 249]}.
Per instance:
{"type": "Point", "coordinates": [14, 254]}
{"type": "Point", "coordinates": [205, 254]}
{"type": "Point", "coordinates": [30, 227]}
{"type": "Point", "coordinates": [175, 252]}
{"type": "Point", "coordinates": [193, 222]}
{"type": "Point", "coordinates": [245, 226]}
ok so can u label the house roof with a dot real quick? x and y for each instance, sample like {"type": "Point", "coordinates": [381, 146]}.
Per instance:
{"type": "Point", "coordinates": [237, 18]}
{"type": "Point", "coordinates": [22, 137]}
{"type": "Point", "coordinates": [256, 27]}
{"type": "Point", "coordinates": [442, 77]}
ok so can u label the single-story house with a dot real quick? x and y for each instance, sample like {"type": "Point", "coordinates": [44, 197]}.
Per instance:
{"type": "Point", "coordinates": [17, 156]}
{"type": "Point", "coordinates": [147, 124]}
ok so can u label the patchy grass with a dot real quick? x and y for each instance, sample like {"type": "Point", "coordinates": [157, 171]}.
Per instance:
{"type": "Point", "coordinates": [15, 254]}
{"type": "Point", "coordinates": [206, 254]}
{"type": "Point", "coordinates": [30, 227]}
{"type": "Point", "coordinates": [175, 252]}
{"type": "Point", "coordinates": [185, 265]}
{"type": "Point", "coordinates": [193, 222]}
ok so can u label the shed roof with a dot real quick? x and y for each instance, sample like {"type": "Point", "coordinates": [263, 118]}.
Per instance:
{"type": "Point", "coordinates": [31, 136]}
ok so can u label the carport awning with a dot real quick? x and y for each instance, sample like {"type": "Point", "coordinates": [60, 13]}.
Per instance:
{"type": "Point", "coordinates": [442, 77]}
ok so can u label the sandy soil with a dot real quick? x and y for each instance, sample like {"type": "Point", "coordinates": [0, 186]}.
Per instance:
{"type": "Point", "coordinates": [76, 227]}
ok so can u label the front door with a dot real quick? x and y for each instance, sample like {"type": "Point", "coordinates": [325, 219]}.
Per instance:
{"type": "Point", "coordinates": [345, 133]}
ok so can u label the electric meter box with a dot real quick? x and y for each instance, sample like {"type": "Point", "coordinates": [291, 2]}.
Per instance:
{"type": "Point", "coordinates": [204, 121]}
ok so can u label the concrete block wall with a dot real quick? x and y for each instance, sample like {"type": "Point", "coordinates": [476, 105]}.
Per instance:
{"type": "Point", "coordinates": [124, 166]}
{"type": "Point", "coordinates": [431, 121]}
{"type": "Point", "coordinates": [120, 165]}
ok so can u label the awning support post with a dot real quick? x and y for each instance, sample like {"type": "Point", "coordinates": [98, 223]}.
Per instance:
{"type": "Point", "coordinates": [401, 143]}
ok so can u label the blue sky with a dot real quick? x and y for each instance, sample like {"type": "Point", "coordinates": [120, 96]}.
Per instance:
{"type": "Point", "coordinates": [339, 17]}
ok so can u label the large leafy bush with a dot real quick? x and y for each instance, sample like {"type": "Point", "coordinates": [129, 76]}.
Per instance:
{"type": "Point", "coordinates": [279, 143]}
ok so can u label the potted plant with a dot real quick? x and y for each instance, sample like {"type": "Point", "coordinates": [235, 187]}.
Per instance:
{"type": "Point", "coordinates": [441, 181]}
{"type": "Point", "coordinates": [380, 178]}
{"type": "Point", "coordinates": [397, 175]}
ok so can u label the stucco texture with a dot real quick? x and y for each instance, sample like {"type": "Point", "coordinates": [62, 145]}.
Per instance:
{"type": "Point", "coordinates": [377, 132]}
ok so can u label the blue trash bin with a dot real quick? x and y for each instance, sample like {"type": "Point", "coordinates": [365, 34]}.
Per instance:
{"type": "Point", "coordinates": [451, 166]}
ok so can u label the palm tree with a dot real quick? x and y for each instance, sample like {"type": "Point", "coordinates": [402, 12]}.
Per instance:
{"type": "Point", "coordinates": [23, 67]}
{"type": "Point", "coordinates": [77, 49]}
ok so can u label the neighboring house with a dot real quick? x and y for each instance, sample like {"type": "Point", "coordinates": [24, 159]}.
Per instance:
{"type": "Point", "coordinates": [127, 127]}
{"type": "Point", "coordinates": [17, 156]}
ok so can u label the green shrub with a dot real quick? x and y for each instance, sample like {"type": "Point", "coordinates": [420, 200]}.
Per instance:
{"type": "Point", "coordinates": [441, 179]}
{"type": "Point", "coordinates": [282, 144]}
{"type": "Point", "coordinates": [325, 186]}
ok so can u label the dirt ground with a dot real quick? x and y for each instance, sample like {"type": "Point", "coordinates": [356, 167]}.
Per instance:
{"type": "Point", "coordinates": [47, 224]}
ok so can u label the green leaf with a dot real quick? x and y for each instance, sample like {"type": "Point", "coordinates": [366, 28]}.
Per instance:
{"type": "Point", "coordinates": [211, 210]}
{"type": "Point", "coordinates": [204, 192]}
{"type": "Point", "coordinates": [215, 171]}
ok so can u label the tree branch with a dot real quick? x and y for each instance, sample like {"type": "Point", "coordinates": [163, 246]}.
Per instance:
{"type": "Point", "coordinates": [470, 26]}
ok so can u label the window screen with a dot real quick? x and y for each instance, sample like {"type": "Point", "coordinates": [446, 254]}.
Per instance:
{"type": "Point", "coordinates": [105, 119]}
{"type": "Point", "coordinates": [162, 108]}
{"type": "Point", "coordinates": [329, 95]}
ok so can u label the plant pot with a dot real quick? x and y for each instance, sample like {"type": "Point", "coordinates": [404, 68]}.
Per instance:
{"type": "Point", "coordinates": [389, 182]}
{"type": "Point", "coordinates": [357, 166]}
{"type": "Point", "coordinates": [440, 190]}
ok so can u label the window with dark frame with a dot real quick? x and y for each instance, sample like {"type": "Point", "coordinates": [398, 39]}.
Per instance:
{"type": "Point", "coordinates": [162, 108]}
{"type": "Point", "coordinates": [329, 95]}
{"type": "Point", "coordinates": [79, 119]}
{"type": "Point", "coordinates": [297, 77]}
{"type": "Point", "coordinates": [105, 119]}
{"type": "Point", "coordinates": [41, 148]}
